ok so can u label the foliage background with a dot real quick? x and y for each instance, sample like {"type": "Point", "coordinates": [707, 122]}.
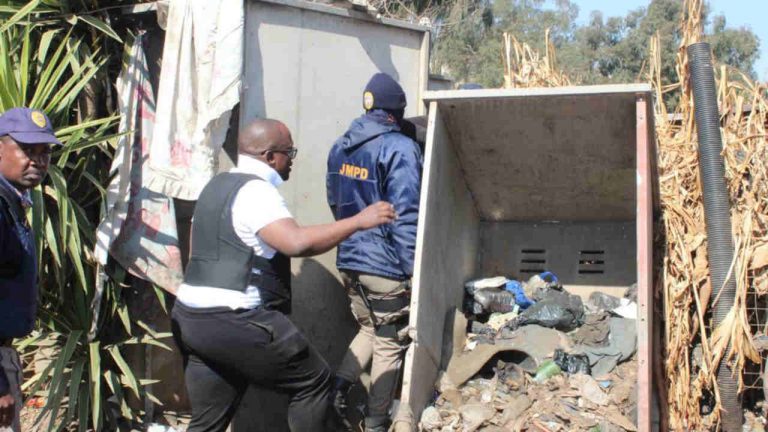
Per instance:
{"type": "Point", "coordinates": [63, 57]}
{"type": "Point", "coordinates": [467, 38]}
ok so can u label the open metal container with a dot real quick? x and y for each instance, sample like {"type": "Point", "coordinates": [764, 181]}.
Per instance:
{"type": "Point", "coordinates": [522, 180]}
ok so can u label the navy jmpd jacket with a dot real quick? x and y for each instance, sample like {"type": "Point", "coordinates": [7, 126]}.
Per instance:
{"type": "Point", "coordinates": [373, 162]}
{"type": "Point", "coordinates": [18, 271]}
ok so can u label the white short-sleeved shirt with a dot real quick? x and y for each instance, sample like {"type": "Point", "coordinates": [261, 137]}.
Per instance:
{"type": "Point", "coordinates": [256, 205]}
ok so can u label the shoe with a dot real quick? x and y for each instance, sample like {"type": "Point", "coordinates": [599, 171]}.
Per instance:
{"type": "Point", "coordinates": [377, 424]}
{"type": "Point", "coordinates": [339, 400]}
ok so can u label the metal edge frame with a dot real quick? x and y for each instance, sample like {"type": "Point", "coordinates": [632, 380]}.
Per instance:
{"type": "Point", "coordinates": [644, 266]}
{"type": "Point", "coordinates": [316, 7]}
{"type": "Point", "coordinates": [421, 108]}
{"type": "Point", "coordinates": [417, 270]}
{"type": "Point", "coordinates": [440, 95]}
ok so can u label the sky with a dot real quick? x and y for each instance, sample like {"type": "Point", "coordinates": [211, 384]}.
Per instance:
{"type": "Point", "coordinates": [738, 13]}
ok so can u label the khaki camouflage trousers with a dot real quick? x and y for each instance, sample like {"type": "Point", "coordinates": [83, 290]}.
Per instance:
{"type": "Point", "coordinates": [383, 350]}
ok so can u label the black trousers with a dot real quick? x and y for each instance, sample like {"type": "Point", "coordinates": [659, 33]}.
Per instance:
{"type": "Point", "coordinates": [227, 350]}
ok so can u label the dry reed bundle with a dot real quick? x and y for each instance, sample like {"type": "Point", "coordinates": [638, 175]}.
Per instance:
{"type": "Point", "coordinates": [691, 353]}
{"type": "Point", "coordinates": [682, 280]}
{"type": "Point", "coordinates": [523, 66]}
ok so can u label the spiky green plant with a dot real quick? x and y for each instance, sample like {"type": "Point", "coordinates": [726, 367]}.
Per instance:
{"type": "Point", "coordinates": [83, 322]}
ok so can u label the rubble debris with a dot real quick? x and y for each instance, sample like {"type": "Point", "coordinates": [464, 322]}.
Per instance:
{"type": "Point", "coordinates": [533, 343]}
{"type": "Point", "coordinates": [613, 415]}
{"type": "Point", "coordinates": [498, 320]}
{"type": "Point", "coordinates": [552, 366]}
{"type": "Point", "coordinates": [430, 419]}
{"type": "Point", "coordinates": [590, 389]}
{"type": "Point", "coordinates": [515, 407]}
{"type": "Point", "coordinates": [475, 414]}
{"type": "Point", "coordinates": [513, 402]}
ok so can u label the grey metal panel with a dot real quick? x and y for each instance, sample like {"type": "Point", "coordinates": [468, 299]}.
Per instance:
{"type": "Point", "coordinates": [306, 65]}
{"type": "Point", "coordinates": [551, 156]}
{"type": "Point", "coordinates": [586, 253]}
{"type": "Point", "coordinates": [446, 256]}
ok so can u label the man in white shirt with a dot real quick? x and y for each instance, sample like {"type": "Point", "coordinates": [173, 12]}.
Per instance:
{"type": "Point", "coordinates": [229, 317]}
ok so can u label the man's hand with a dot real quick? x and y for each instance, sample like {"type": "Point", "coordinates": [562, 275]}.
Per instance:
{"type": "Point", "coordinates": [7, 410]}
{"type": "Point", "coordinates": [375, 214]}
{"type": "Point", "coordinates": [289, 238]}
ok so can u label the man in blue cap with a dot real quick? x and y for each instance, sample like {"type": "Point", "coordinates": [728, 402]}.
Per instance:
{"type": "Point", "coordinates": [26, 138]}
{"type": "Point", "coordinates": [375, 161]}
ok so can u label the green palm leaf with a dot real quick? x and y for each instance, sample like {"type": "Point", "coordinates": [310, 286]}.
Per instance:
{"type": "Point", "coordinates": [48, 65]}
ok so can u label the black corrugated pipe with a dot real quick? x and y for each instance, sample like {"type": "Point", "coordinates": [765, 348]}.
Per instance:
{"type": "Point", "coordinates": [716, 214]}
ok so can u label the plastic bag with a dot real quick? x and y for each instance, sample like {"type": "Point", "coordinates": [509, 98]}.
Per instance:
{"type": "Point", "coordinates": [572, 363]}
{"type": "Point", "coordinates": [477, 284]}
{"type": "Point", "coordinates": [539, 285]}
{"type": "Point", "coordinates": [557, 309]}
{"type": "Point", "coordinates": [517, 289]}
{"type": "Point", "coordinates": [495, 300]}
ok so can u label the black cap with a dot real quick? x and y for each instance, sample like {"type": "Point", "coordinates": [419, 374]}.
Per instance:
{"type": "Point", "coordinates": [383, 92]}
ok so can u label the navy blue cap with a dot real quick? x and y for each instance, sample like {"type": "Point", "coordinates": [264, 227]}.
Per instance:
{"type": "Point", "coordinates": [27, 126]}
{"type": "Point", "coordinates": [383, 92]}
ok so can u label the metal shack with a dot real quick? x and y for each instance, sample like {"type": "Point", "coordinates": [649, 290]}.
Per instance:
{"type": "Point", "coordinates": [522, 180]}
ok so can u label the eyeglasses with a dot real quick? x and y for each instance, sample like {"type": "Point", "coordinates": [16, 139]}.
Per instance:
{"type": "Point", "coordinates": [291, 152]}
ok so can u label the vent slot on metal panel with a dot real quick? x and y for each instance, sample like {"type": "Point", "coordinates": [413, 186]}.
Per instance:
{"type": "Point", "coordinates": [533, 261]}
{"type": "Point", "coordinates": [591, 262]}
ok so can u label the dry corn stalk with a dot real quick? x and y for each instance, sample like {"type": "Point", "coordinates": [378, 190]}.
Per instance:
{"type": "Point", "coordinates": [685, 280]}
{"type": "Point", "coordinates": [524, 68]}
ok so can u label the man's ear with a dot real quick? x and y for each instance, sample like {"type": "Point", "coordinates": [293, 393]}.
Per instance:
{"type": "Point", "coordinates": [269, 156]}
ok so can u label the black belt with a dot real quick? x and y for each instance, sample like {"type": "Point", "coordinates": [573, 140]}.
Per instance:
{"type": "Point", "coordinates": [384, 306]}
{"type": "Point", "coordinates": [390, 305]}
{"type": "Point", "coordinates": [6, 342]}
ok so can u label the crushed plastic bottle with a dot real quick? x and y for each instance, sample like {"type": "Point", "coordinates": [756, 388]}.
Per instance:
{"type": "Point", "coordinates": [547, 370]}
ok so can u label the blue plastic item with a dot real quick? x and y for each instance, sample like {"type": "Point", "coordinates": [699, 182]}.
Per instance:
{"type": "Point", "coordinates": [548, 277]}
{"type": "Point", "coordinates": [516, 288]}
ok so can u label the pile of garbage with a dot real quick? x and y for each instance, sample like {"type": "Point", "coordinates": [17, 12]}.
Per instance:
{"type": "Point", "coordinates": [529, 355]}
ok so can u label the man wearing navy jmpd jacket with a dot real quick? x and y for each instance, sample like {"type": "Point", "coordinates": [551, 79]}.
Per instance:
{"type": "Point", "coordinates": [26, 137]}
{"type": "Point", "coordinates": [375, 161]}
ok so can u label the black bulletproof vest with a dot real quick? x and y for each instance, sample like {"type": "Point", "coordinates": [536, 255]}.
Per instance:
{"type": "Point", "coordinates": [219, 257]}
